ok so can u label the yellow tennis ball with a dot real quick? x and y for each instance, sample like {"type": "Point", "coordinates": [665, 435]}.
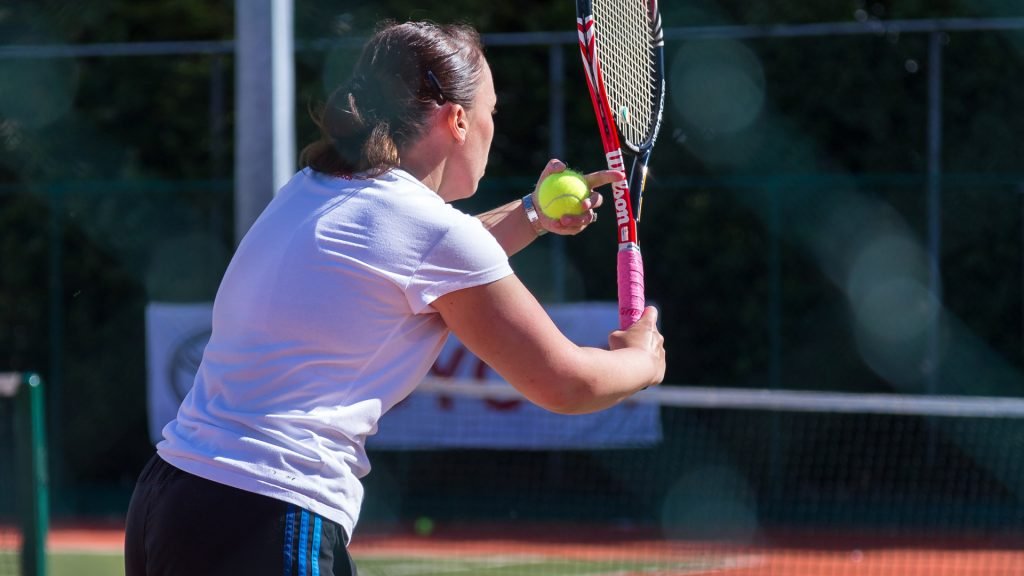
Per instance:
{"type": "Point", "coordinates": [562, 193]}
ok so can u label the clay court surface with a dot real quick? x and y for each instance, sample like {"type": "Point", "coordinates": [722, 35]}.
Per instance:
{"type": "Point", "coordinates": [573, 549]}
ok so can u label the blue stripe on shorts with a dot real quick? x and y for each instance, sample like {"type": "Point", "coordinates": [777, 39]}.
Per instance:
{"type": "Point", "coordinates": [316, 546]}
{"type": "Point", "coordinates": [289, 540]}
{"type": "Point", "coordinates": [303, 543]}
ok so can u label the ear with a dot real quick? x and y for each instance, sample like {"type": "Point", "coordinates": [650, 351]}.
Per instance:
{"type": "Point", "coordinates": [458, 123]}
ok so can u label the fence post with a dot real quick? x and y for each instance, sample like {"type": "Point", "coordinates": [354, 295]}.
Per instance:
{"type": "Point", "coordinates": [556, 127]}
{"type": "Point", "coordinates": [32, 483]}
{"type": "Point", "coordinates": [934, 208]}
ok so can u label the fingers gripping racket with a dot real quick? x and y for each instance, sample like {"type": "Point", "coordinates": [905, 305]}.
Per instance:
{"type": "Point", "coordinates": [627, 89]}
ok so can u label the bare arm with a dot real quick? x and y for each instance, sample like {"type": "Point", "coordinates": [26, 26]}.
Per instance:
{"type": "Point", "coordinates": [509, 225]}
{"type": "Point", "coordinates": [504, 325]}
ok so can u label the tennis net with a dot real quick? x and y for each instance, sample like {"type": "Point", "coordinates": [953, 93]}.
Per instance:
{"type": "Point", "coordinates": [743, 481]}
{"type": "Point", "coordinates": [23, 478]}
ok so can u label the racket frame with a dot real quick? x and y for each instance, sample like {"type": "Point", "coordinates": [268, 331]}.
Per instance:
{"type": "Point", "coordinates": [627, 194]}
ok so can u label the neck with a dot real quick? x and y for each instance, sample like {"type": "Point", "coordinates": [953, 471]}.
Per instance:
{"type": "Point", "coordinates": [426, 161]}
{"type": "Point", "coordinates": [429, 174]}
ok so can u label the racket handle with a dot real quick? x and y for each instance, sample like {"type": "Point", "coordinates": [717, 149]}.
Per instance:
{"type": "Point", "coordinates": [631, 286]}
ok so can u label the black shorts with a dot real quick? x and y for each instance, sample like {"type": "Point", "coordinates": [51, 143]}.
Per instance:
{"type": "Point", "coordinates": [182, 525]}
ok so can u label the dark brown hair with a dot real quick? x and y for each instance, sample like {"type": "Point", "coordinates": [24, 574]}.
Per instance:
{"type": "Point", "coordinates": [404, 73]}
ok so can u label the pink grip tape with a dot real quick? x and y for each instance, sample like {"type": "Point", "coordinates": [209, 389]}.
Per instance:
{"type": "Point", "coordinates": [631, 287]}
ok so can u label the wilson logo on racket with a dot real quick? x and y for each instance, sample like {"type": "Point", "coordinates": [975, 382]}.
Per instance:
{"type": "Point", "coordinates": [619, 192]}
{"type": "Point", "coordinates": [620, 189]}
{"type": "Point", "coordinates": [614, 159]}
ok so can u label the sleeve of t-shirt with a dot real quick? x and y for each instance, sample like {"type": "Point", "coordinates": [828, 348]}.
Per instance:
{"type": "Point", "coordinates": [466, 256]}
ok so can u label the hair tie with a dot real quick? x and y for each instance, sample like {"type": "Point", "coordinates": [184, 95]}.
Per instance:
{"type": "Point", "coordinates": [365, 104]}
{"type": "Point", "coordinates": [435, 87]}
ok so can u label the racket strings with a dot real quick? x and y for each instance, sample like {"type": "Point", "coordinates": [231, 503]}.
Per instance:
{"type": "Point", "coordinates": [627, 63]}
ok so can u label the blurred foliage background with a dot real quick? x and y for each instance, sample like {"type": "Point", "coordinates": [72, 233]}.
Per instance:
{"type": "Point", "coordinates": [789, 188]}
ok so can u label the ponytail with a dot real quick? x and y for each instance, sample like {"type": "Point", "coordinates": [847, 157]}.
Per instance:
{"type": "Point", "coordinates": [349, 143]}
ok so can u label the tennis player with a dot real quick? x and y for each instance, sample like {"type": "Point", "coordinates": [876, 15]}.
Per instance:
{"type": "Point", "coordinates": [334, 307]}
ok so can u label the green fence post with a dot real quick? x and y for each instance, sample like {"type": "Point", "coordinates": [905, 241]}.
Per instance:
{"type": "Point", "coordinates": [35, 503]}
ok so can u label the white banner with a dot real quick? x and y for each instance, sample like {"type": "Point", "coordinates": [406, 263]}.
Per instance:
{"type": "Point", "coordinates": [177, 334]}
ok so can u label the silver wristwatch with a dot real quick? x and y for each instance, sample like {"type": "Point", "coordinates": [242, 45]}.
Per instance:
{"type": "Point", "coordinates": [531, 215]}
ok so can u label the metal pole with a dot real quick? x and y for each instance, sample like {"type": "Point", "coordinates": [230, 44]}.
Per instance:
{"type": "Point", "coordinates": [934, 352]}
{"type": "Point", "coordinates": [265, 126]}
{"type": "Point", "coordinates": [556, 123]}
{"type": "Point", "coordinates": [934, 207]}
{"type": "Point", "coordinates": [819, 29]}
{"type": "Point", "coordinates": [283, 49]}
{"type": "Point", "coordinates": [218, 107]}
{"type": "Point", "coordinates": [56, 329]}
{"type": "Point", "coordinates": [775, 293]}
{"type": "Point", "coordinates": [556, 132]}
{"type": "Point", "coordinates": [37, 506]}
{"type": "Point", "coordinates": [776, 454]}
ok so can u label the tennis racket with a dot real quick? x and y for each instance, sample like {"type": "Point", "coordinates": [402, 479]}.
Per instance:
{"type": "Point", "coordinates": [627, 89]}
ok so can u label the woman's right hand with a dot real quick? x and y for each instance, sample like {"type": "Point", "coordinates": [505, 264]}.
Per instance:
{"type": "Point", "coordinates": [571, 224]}
{"type": "Point", "coordinates": [644, 335]}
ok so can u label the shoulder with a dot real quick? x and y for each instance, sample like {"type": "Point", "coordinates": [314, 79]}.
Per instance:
{"type": "Point", "coordinates": [408, 202]}
{"type": "Point", "coordinates": [399, 218]}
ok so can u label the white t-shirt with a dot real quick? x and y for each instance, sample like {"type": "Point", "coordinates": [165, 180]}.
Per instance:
{"type": "Point", "coordinates": [321, 324]}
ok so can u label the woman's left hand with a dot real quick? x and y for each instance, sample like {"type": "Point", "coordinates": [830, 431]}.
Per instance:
{"type": "Point", "coordinates": [570, 224]}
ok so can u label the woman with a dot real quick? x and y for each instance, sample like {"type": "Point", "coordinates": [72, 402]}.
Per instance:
{"type": "Point", "coordinates": [336, 304]}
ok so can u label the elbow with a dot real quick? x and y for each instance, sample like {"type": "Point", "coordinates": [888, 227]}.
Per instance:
{"type": "Point", "coordinates": [568, 398]}
{"type": "Point", "coordinates": [572, 409]}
